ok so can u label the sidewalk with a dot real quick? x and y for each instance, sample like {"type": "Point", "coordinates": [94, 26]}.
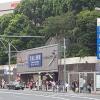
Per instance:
{"type": "Point", "coordinates": [96, 93]}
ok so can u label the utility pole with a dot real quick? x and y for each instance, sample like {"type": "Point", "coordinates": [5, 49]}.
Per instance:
{"type": "Point", "coordinates": [64, 61]}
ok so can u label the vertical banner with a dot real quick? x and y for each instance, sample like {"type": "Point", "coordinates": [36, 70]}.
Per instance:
{"type": "Point", "coordinates": [98, 38]}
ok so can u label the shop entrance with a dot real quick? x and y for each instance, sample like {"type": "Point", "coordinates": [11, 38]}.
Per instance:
{"type": "Point", "coordinates": [83, 81]}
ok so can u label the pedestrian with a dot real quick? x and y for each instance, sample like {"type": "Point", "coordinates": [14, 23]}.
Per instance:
{"type": "Point", "coordinates": [31, 85]}
{"type": "Point", "coordinates": [36, 85]}
{"type": "Point", "coordinates": [47, 84]}
{"type": "Point", "coordinates": [89, 87]}
{"type": "Point", "coordinates": [53, 84]}
{"type": "Point", "coordinates": [66, 86]}
{"type": "Point", "coordinates": [3, 83]}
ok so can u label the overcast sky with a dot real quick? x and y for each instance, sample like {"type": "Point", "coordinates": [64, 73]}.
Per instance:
{"type": "Point", "coordinates": [3, 1]}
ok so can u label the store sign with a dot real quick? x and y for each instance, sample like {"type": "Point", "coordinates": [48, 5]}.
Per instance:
{"type": "Point", "coordinates": [98, 38]}
{"type": "Point", "coordinates": [35, 60]}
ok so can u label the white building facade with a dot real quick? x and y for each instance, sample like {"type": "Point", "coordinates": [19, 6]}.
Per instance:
{"type": "Point", "coordinates": [8, 7]}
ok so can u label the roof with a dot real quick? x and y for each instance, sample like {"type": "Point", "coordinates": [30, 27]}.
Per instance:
{"type": "Point", "coordinates": [76, 60]}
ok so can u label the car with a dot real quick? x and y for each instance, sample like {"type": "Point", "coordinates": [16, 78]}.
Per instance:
{"type": "Point", "coordinates": [16, 85]}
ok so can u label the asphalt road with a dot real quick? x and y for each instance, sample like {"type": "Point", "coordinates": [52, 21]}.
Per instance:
{"type": "Point", "coordinates": [38, 95]}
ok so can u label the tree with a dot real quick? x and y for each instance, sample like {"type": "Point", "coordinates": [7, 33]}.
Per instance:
{"type": "Point", "coordinates": [79, 5]}
{"type": "Point", "coordinates": [58, 25]}
{"type": "Point", "coordinates": [38, 10]}
{"type": "Point", "coordinates": [86, 33]}
{"type": "Point", "coordinates": [4, 22]}
{"type": "Point", "coordinates": [20, 25]}
{"type": "Point", "coordinates": [79, 29]}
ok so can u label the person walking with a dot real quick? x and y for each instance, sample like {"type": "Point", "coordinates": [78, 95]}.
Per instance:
{"type": "Point", "coordinates": [89, 87]}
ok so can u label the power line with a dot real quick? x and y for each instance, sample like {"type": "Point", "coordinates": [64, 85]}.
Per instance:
{"type": "Point", "coordinates": [15, 36]}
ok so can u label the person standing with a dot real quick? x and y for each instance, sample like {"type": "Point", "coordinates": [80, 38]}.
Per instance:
{"type": "Point", "coordinates": [3, 83]}
{"type": "Point", "coordinates": [66, 86]}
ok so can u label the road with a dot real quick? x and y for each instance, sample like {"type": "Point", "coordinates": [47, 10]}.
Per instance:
{"type": "Point", "coordinates": [38, 95]}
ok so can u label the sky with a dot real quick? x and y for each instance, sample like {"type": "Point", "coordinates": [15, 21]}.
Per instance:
{"type": "Point", "coordinates": [3, 1]}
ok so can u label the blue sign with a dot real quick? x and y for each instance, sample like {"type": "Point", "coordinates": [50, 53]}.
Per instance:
{"type": "Point", "coordinates": [98, 40]}
{"type": "Point", "coordinates": [35, 60]}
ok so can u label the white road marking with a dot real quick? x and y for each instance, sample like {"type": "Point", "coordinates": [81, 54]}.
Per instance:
{"type": "Point", "coordinates": [50, 96]}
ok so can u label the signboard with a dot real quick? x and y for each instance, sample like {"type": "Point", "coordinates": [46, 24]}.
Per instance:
{"type": "Point", "coordinates": [97, 81]}
{"type": "Point", "coordinates": [35, 60]}
{"type": "Point", "coordinates": [98, 38]}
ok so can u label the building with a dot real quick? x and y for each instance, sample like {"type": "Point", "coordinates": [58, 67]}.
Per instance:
{"type": "Point", "coordinates": [37, 63]}
{"type": "Point", "coordinates": [83, 70]}
{"type": "Point", "coordinates": [4, 72]}
{"type": "Point", "coordinates": [8, 7]}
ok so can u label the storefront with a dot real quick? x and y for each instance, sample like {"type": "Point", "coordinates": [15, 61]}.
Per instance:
{"type": "Point", "coordinates": [82, 71]}
{"type": "Point", "coordinates": [38, 63]}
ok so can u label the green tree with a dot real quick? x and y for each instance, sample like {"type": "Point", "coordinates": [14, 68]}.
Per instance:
{"type": "Point", "coordinates": [79, 29]}
{"type": "Point", "coordinates": [4, 22]}
{"type": "Point", "coordinates": [58, 25]}
{"type": "Point", "coordinates": [21, 25]}
{"type": "Point", "coordinates": [79, 5]}
{"type": "Point", "coordinates": [83, 36]}
{"type": "Point", "coordinates": [38, 10]}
